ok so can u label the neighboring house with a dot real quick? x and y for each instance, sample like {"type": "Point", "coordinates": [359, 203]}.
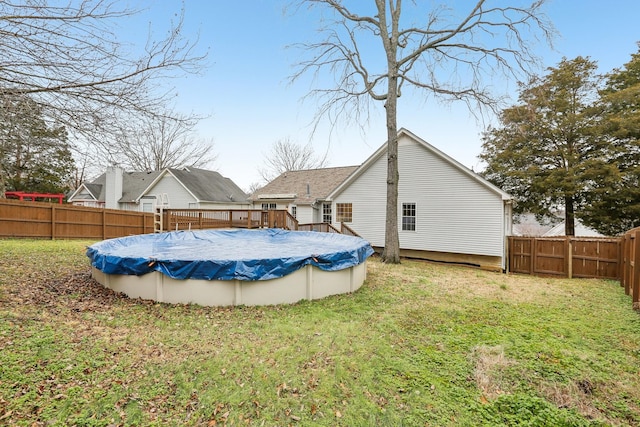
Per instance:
{"type": "Point", "coordinates": [446, 212]}
{"type": "Point", "coordinates": [303, 193]}
{"type": "Point", "coordinates": [580, 230]}
{"type": "Point", "coordinates": [182, 188]}
{"type": "Point", "coordinates": [526, 224]}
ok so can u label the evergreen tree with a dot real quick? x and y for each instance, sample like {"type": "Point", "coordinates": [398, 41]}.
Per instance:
{"type": "Point", "coordinates": [34, 155]}
{"type": "Point", "coordinates": [614, 199]}
{"type": "Point", "coordinates": [547, 149]}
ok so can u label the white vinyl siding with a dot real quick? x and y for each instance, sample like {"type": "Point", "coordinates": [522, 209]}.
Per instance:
{"type": "Point", "coordinates": [367, 194]}
{"type": "Point", "coordinates": [457, 213]}
{"type": "Point", "coordinates": [179, 197]}
{"type": "Point", "coordinates": [218, 206]}
{"type": "Point", "coordinates": [454, 212]}
{"type": "Point", "coordinates": [304, 214]}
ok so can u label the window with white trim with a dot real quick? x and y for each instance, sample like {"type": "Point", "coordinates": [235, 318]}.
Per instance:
{"type": "Point", "coordinates": [326, 213]}
{"type": "Point", "coordinates": [294, 211]}
{"type": "Point", "coordinates": [344, 212]}
{"type": "Point", "coordinates": [269, 206]}
{"type": "Point", "coordinates": [409, 217]}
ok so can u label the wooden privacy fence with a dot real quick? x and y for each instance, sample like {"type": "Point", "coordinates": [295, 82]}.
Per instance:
{"type": "Point", "coordinates": [603, 258]}
{"type": "Point", "coordinates": [566, 256]}
{"type": "Point", "coordinates": [630, 271]}
{"type": "Point", "coordinates": [54, 221]}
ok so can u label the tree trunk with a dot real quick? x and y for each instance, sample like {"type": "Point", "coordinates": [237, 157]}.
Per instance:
{"type": "Point", "coordinates": [569, 217]}
{"type": "Point", "coordinates": [3, 187]}
{"type": "Point", "coordinates": [391, 253]}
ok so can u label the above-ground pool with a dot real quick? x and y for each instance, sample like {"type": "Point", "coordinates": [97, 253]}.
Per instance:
{"type": "Point", "coordinates": [231, 267]}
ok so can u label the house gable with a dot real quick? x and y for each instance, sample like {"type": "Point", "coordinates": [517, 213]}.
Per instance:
{"type": "Point", "coordinates": [82, 193]}
{"type": "Point", "coordinates": [303, 187]}
{"type": "Point", "coordinates": [456, 211]}
{"type": "Point", "coordinates": [402, 135]}
{"type": "Point", "coordinates": [188, 187]}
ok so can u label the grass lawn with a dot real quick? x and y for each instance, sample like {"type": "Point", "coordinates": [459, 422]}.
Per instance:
{"type": "Point", "coordinates": [419, 344]}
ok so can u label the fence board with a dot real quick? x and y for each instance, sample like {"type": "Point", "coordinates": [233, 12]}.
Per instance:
{"type": "Point", "coordinates": [631, 266]}
{"type": "Point", "coordinates": [567, 257]}
{"type": "Point", "coordinates": [55, 221]}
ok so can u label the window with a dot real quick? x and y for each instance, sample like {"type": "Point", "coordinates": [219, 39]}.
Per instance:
{"type": "Point", "coordinates": [409, 216]}
{"type": "Point", "coordinates": [294, 211]}
{"type": "Point", "coordinates": [326, 212]}
{"type": "Point", "coordinates": [344, 212]}
{"type": "Point", "coordinates": [269, 206]}
{"type": "Point", "coordinates": [147, 207]}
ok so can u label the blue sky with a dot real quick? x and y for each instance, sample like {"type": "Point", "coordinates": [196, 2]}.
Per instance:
{"type": "Point", "coordinates": [245, 89]}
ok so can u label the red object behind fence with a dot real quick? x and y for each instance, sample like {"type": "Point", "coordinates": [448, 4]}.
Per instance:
{"type": "Point", "coordinates": [33, 196]}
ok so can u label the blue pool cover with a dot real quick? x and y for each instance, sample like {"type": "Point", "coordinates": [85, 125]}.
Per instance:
{"type": "Point", "coordinates": [228, 254]}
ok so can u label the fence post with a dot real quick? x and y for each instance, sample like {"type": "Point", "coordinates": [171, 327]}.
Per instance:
{"type": "Point", "coordinates": [620, 249]}
{"type": "Point", "coordinates": [53, 222]}
{"type": "Point", "coordinates": [628, 269]}
{"type": "Point", "coordinates": [534, 255]}
{"type": "Point", "coordinates": [635, 279]}
{"type": "Point", "coordinates": [104, 224]}
{"type": "Point", "coordinates": [569, 243]}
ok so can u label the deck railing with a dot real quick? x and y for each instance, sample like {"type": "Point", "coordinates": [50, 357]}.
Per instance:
{"type": "Point", "coordinates": [322, 227]}
{"type": "Point", "coordinates": [345, 229]}
{"type": "Point", "coordinates": [198, 219]}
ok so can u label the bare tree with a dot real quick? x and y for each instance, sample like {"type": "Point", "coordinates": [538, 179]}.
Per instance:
{"type": "Point", "coordinates": [69, 59]}
{"type": "Point", "coordinates": [155, 143]}
{"type": "Point", "coordinates": [285, 155]}
{"type": "Point", "coordinates": [447, 55]}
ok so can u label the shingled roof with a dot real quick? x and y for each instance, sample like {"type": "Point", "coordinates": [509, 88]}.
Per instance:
{"type": "Point", "coordinates": [133, 184]}
{"type": "Point", "coordinates": [304, 186]}
{"type": "Point", "coordinates": [205, 185]}
{"type": "Point", "coordinates": [209, 186]}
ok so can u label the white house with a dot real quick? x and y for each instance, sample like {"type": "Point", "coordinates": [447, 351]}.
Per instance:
{"type": "Point", "coordinates": [176, 188]}
{"type": "Point", "coordinates": [527, 225]}
{"type": "Point", "coordinates": [446, 212]}
{"type": "Point", "coordinates": [580, 230]}
{"type": "Point", "coordinates": [303, 193]}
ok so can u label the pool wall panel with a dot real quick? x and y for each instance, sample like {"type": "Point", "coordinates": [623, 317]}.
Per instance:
{"type": "Point", "coordinates": [307, 283]}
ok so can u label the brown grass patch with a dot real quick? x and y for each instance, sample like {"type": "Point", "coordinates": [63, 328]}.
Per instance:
{"type": "Point", "coordinates": [489, 362]}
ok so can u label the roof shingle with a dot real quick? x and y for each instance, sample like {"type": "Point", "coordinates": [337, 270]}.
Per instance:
{"type": "Point", "coordinates": [307, 186]}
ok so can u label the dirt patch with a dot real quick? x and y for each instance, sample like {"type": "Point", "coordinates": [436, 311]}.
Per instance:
{"type": "Point", "coordinates": [489, 362]}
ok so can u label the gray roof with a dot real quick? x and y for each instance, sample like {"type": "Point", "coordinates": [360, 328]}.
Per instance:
{"type": "Point", "coordinates": [135, 183]}
{"type": "Point", "coordinates": [209, 186]}
{"type": "Point", "coordinates": [94, 189]}
{"type": "Point", "coordinates": [305, 186]}
{"type": "Point", "coordinates": [205, 185]}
